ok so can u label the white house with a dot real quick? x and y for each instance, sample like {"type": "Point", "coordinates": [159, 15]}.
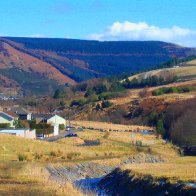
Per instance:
{"type": "Point", "coordinates": [49, 119]}
{"type": "Point", "coordinates": [55, 119]}
{"type": "Point", "coordinates": [22, 132]}
{"type": "Point", "coordinates": [7, 118]}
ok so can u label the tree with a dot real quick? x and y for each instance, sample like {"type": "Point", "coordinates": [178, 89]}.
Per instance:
{"type": "Point", "coordinates": [59, 94]}
{"type": "Point", "coordinates": [153, 118]}
{"type": "Point", "coordinates": [98, 107]}
{"type": "Point", "coordinates": [18, 124]}
{"type": "Point", "coordinates": [89, 92]}
{"type": "Point", "coordinates": [116, 87]}
{"type": "Point", "coordinates": [106, 104]}
{"type": "Point", "coordinates": [93, 98]}
{"type": "Point", "coordinates": [160, 127]}
{"type": "Point", "coordinates": [100, 88]}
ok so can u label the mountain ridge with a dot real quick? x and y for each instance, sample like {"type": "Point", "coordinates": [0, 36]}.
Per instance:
{"type": "Point", "coordinates": [71, 61]}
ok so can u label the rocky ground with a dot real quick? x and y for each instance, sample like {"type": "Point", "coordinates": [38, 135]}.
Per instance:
{"type": "Point", "coordinates": [86, 176]}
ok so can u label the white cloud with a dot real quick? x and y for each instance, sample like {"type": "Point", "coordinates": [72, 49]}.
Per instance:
{"type": "Point", "coordinates": [143, 31]}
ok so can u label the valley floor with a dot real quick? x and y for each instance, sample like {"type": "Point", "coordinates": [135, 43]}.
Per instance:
{"type": "Point", "coordinates": [57, 166]}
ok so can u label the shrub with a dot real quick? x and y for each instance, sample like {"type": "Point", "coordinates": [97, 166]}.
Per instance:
{"type": "Point", "coordinates": [72, 155]}
{"type": "Point", "coordinates": [79, 102]}
{"type": "Point", "coordinates": [106, 135]}
{"type": "Point", "coordinates": [63, 157]}
{"type": "Point", "coordinates": [61, 126]}
{"type": "Point", "coordinates": [157, 92]}
{"type": "Point", "coordinates": [43, 128]}
{"type": "Point", "coordinates": [98, 107]}
{"type": "Point", "coordinates": [93, 98]}
{"type": "Point", "coordinates": [106, 104]}
{"type": "Point", "coordinates": [89, 92]}
{"type": "Point", "coordinates": [57, 153]}
{"type": "Point", "coordinates": [116, 87]}
{"type": "Point", "coordinates": [37, 155]}
{"type": "Point", "coordinates": [59, 94]}
{"type": "Point", "coordinates": [160, 128]}
{"type": "Point", "coordinates": [32, 124]}
{"type": "Point", "coordinates": [166, 90]}
{"type": "Point", "coordinates": [4, 125]}
{"type": "Point", "coordinates": [22, 157]}
{"type": "Point", "coordinates": [18, 124]}
{"type": "Point", "coordinates": [53, 153]}
{"type": "Point", "coordinates": [100, 88]}
{"type": "Point", "coordinates": [153, 118]}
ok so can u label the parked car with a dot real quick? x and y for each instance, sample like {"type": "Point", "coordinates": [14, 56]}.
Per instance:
{"type": "Point", "coordinates": [68, 128]}
{"type": "Point", "coordinates": [80, 129]}
{"type": "Point", "coordinates": [71, 135]}
{"type": "Point", "coordinates": [40, 136]}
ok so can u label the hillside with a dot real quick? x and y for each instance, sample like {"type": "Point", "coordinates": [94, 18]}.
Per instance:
{"type": "Point", "coordinates": [41, 64]}
{"type": "Point", "coordinates": [184, 71]}
{"type": "Point", "coordinates": [23, 71]}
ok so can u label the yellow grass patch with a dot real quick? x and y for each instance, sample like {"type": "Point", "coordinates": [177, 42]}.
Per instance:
{"type": "Point", "coordinates": [109, 126]}
{"type": "Point", "coordinates": [180, 169]}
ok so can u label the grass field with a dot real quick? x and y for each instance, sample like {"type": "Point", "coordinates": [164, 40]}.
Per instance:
{"type": "Point", "coordinates": [109, 126]}
{"type": "Point", "coordinates": [28, 177]}
{"type": "Point", "coordinates": [181, 169]}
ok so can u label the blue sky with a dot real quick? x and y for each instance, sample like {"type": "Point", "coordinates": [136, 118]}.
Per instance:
{"type": "Point", "coordinates": [166, 20]}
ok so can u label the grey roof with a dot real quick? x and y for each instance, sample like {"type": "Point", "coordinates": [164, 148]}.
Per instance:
{"type": "Point", "coordinates": [19, 111]}
{"type": "Point", "coordinates": [12, 128]}
{"type": "Point", "coordinates": [6, 116]}
{"type": "Point", "coordinates": [42, 116]}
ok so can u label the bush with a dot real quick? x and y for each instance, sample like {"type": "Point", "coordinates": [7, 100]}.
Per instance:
{"type": "Point", "coordinates": [116, 87]}
{"type": "Point", "coordinates": [106, 104]}
{"type": "Point", "coordinates": [37, 156]}
{"type": "Point", "coordinates": [89, 92]}
{"type": "Point", "coordinates": [160, 128]}
{"type": "Point", "coordinates": [166, 90]}
{"type": "Point", "coordinates": [72, 155]}
{"type": "Point", "coordinates": [93, 98]}
{"type": "Point", "coordinates": [57, 153]}
{"type": "Point", "coordinates": [53, 153]}
{"type": "Point", "coordinates": [43, 128]}
{"type": "Point", "coordinates": [22, 157]}
{"type": "Point", "coordinates": [32, 124]}
{"type": "Point", "coordinates": [100, 88]}
{"type": "Point", "coordinates": [18, 124]}
{"type": "Point", "coordinates": [61, 126]}
{"type": "Point", "coordinates": [4, 125]}
{"type": "Point", "coordinates": [105, 95]}
{"type": "Point", "coordinates": [153, 118]}
{"type": "Point", "coordinates": [79, 102]}
{"type": "Point", "coordinates": [98, 107]}
{"type": "Point", "coordinates": [59, 94]}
